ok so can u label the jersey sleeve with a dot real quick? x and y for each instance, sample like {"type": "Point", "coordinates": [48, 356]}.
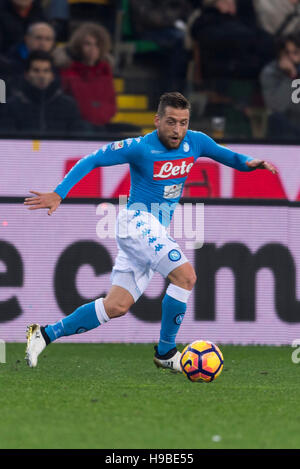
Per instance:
{"type": "Point", "coordinates": [124, 151]}
{"type": "Point", "coordinates": [208, 147]}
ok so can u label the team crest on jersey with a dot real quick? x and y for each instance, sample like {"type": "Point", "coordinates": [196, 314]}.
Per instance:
{"type": "Point", "coordinates": [117, 145]}
{"type": "Point", "coordinates": [186, 147]}
{"type": "Point", "coordinates": [172, 169]}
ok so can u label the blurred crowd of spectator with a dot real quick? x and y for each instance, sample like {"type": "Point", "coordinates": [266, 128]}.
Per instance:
{"type": "Point", "coordinates": [59, 59]}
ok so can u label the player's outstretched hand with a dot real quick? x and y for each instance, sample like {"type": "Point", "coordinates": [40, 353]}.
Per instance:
{"type": "Point", "coordinates": [49, 200]}
{"type": "Point", "coordinates": [260, 164]}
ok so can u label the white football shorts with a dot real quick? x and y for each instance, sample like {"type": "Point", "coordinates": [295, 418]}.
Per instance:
{"type": "Point", "coordinates": [144, 247]}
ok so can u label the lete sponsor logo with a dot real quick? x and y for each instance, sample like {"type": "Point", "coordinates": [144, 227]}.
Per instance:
{"type": "Point", "coordinates": [172, 169]}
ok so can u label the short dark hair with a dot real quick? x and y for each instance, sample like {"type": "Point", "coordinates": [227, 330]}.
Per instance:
{"type": "Point", "coordinates": [39, 55]}
{"type": "Point", "coordinates": [172, 99]}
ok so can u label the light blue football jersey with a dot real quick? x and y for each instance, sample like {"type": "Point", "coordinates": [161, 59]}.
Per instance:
{"type": "Point", "coordinates": [157, 173]}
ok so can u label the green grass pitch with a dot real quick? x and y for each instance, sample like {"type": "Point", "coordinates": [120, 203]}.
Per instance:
{"type": "Point", "coordinates": [112, 396]}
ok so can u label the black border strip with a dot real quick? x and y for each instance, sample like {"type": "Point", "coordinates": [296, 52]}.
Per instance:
{"type": "Point", "coordinates": [212, 201]}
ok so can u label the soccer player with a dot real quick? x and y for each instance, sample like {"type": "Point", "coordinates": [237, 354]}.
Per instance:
{"type": "Point", "coordinates": [159, 165]}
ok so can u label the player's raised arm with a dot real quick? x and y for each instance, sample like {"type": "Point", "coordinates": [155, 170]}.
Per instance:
{"type": "Point", "coordinates": [208, 147]}
{"type": "Point", "coordinates": [111, 154]}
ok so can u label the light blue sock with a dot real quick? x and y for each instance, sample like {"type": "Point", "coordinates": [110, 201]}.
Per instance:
{"type": "Point", "coordinates": [173, 310]}
{"type": "Point", "coordinates": [83, 319]}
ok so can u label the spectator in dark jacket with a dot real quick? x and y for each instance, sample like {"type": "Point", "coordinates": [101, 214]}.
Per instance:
{"type": "Point", "coordinates": [231, 43]}
{"type": "Point", "coordinates": [40, 106]}
{"type": "Point", "coordinates": [15, 17]}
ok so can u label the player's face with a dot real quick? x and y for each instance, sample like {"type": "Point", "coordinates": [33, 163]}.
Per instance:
{"type": "Point", "coordinates": [172, 126]}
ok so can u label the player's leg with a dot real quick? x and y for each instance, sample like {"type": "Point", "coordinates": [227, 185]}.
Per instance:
{"type": "Point", "coordinates": [152, 246]}
{"type": "Point", "coordinates": [182, 280]}
{"type": "Point", "coordinates": [93, 314]}
{"type": "Point", "coordinates": [123, 293]}
{"type": "Point", "coordinates": [83, 319]}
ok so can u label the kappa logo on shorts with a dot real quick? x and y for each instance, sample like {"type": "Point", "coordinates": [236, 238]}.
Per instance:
{"type": "Point", "coordinates": [145, 232]}
{"type": "Point", "coordinates": [174, 255]}
{"type": "Point", "coordinates": [140, 223]}
{"type": "Point", "coordinates": [158, 247]}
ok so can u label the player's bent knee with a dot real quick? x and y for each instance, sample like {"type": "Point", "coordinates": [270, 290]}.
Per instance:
{"type": "Point", "coordinates": [189, 281]}
{"type": "Point", "coordinates": [115, 310]}
{"type": "Point", "coordinates": [117, 302]}
{"type": "Point", "coordinates": [184, 276]}
{"type": "Point", "coordinates": [192, 279]}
